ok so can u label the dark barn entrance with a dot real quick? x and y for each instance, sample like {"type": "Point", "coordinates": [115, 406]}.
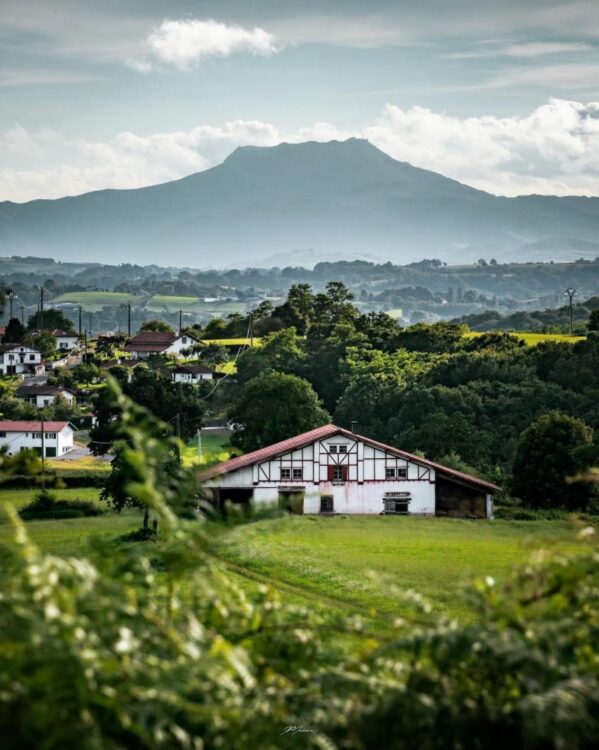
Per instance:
{"type": "Point", "coordinates": [459, 500]}
{"type": "Point", "coordinates": [238, 496]}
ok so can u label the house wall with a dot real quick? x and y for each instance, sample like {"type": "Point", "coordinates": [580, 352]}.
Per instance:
{"type": "Point", "coordinates": [362, 491]}
{"type": "Point", "coordinates": [21, 358]}
{"type": "Point", "coordinates": [17, 441]}
{"type": "Point", "coordinates": [66, 343]}
{"type": "Point", "coordinates": [188, 377]}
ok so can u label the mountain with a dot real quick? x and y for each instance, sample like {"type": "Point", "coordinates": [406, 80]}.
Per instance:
{"type": "Point", "coordinates": [337, 199]}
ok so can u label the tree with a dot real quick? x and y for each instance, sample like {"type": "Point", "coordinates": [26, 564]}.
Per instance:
{"type": "Point", "coordinates": [15, 332]}
{"type": "Point", "coordinates": [157, 325]}
{"type": "Point", "coordinates": [52, 319]}
{"type": "Point", "coordinates": [273, 407]}
{"type": "Point", "coordinates": [44, 342]}
{"type": "Point", "coordinates": [549, 454]}
{"type": "Point", "coordinates": [592, 325]}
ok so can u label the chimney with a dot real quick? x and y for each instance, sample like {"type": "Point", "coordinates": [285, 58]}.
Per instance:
{"type": "Point", "coordinates": [353, 425]}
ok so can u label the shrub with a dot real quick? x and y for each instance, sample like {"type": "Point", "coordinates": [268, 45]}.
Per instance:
{"type": "Point", "coordinates": [45, 506]}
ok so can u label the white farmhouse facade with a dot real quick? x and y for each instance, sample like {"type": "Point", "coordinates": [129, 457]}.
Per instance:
{"type": "Point", "coordinates": [44, 395]}
{"type": "Point", "coordinates": [56, 437]}
{"type": "Point", "coordinates": [193, 374]}
{"type": "Point", "coordinates": [333, 470]}
{"type": "Point", "coordinates": [65, 342]}
{"type": "Point", "coordinates": [148, 343]}
{"type": "Point", "coordinates": [19, 359]}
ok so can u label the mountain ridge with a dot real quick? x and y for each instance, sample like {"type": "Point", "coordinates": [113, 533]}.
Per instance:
{"type": "Point", "coordinates": [338, 196]}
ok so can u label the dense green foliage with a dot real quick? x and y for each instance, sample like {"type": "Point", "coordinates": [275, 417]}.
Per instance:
{"type": "Point", "coordinates": [550, 454]}
{"type": "Point", "coordinates": [272, 407]}
{"type": "Point", "coordinates": [46, 506]}
{"type": "Point", "coordinates": [51, 319]}
{"type": "Point", "coordinates": [121, 650]}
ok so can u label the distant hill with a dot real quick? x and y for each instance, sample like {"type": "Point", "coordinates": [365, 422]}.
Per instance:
{"type": "Point", "coordinates": [325, 200]}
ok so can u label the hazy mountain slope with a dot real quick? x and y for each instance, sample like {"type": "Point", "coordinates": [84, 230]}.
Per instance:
{"type": "Point", "coordinates": [337, 197]}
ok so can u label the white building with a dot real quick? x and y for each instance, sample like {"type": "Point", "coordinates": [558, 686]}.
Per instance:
{"type": "Point", "coordinates": [65, 342]}
{"type": "Point", "coordinates": [149, 343]}
{"type": "Point", "coordinates": [193, 374]}
{"type": "Point", "coordinates": [57, 437]}
{"type": "Point", "coordinates": [44, 395]}
{"type": "Point", "coordinates": [332, 470]}
{"type": "Point", "coordinates": [18, 359]}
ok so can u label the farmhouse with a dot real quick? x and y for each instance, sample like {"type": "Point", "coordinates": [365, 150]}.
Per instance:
{"type": "Point", "coordinates": [65, 341]}
{"type": "Point", "coordinates": [192, 374]}
{"type": "Point", "coordinates": [44, 395]}
{"type": "Point", "coordinates": [18, 359]}
{"type": "Point", "coordinates": [57, 437]}
{"type": "Point", "coordinates": [333, 470]}
{"type": "Point", "coordinates": [148, 343]}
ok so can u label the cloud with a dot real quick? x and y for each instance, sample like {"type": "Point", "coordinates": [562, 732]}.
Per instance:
{"type": "Point", "coordinates": [553, 149]}
{"type": "Point", "coordinates": [184, 43]}
{"type": "Point", "coordinates": [525, 50]}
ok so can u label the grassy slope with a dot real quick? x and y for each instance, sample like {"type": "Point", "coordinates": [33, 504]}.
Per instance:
{"type": "Point", "coordinates": [215, 448]}
{"type": "Point", "coordinates": [532, 339]}
{"type": "Point", "coordinates": [330, 560]}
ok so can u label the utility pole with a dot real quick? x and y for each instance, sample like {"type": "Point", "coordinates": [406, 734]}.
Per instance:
{"type": "Point", "coordinates": [90, 316]}
{"type": "Point", "coordinates": [10, 296]}
{"type": "Point", "coordinates": [129, 319]}
{"type": "Point", "coordinates": [22, 315]}
{"type": "Point", "coordinates": [180, 322]}
{"type": "Point", "coordinates": [80, 308]}
{"type": "Point", "coordinates": [41, 316]}
{"type": "Point", "coordinates": [571, 293]}
{"type": "Point", "coordinates": [178, 425]}
{"type": "Point", "coordinates": [199, 446]}
{"type": "Point", "coordinates": [43, 455]}
{"type": "Point", "coordinates": [251, 330]}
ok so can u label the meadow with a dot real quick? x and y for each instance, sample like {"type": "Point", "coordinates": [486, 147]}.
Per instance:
{"type": "Point", "coordinates": [94, 301]}
{"type": "Point", "coordinates": [363, 565]}
{"type": "Point", "coordinates": [532, 339]}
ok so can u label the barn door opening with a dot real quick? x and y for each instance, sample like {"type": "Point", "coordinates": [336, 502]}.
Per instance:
{"type": "Point", "coordinates": [292, 501]}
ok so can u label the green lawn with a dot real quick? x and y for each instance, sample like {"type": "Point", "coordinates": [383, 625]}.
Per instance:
{"type": "Point", "coordinates": [96, 300]}
{"type": "Point", "coordinates": [215, 448]}
{"type": "Point", "coordinates": [357, 563]}
{"type": "Point", "coordinates": [532, 339]}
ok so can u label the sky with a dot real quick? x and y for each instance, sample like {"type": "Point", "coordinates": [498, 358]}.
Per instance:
{"type": "Point", "coordinates": [500, 94]}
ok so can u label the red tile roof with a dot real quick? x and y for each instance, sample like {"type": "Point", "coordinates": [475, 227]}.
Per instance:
{"type": "Point", "coordinates": [31, 426]}
{"type": "Point", "coordinates": [328, 430]}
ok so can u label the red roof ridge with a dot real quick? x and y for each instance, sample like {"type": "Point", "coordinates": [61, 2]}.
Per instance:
{"type": "Point", "coordinates": [30, 425]}
{"type": "Point", "coordinates": [305, 438]}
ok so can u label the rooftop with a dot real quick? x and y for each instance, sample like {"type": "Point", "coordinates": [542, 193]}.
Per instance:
{"type": "Point", "coordinates": [32, 426]}
{"type": "Point", "coordinates": [326, 431]}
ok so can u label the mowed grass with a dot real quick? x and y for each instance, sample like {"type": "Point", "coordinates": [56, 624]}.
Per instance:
{"type": "Point", "coordinates": [98, 299]}
{"type": "Point", "coordinates": [369, 563]}
{"type": "Point", "coordinates": [256, 341]}
{"type": "Point", "coordinates": [83, 463]}
{"type": "Point", "coordinates": [69, 536]}
{"type": "Point", "coordinates": [214, 448]}
{"type": "Point", "coordinates": [532, 339]}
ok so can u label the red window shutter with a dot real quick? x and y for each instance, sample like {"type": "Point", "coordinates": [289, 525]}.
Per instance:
{"type": "Point", "coordinates": [331, 473]}
{"type": "Point", "coordinates": [345, 473]}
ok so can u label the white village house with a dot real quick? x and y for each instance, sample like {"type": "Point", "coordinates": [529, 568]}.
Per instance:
{"type": "Point", "coordinates": [192, 374]}
{"type": "Point", "coordinates": [19, 359]}
{"type": "Point", "coordinates": [65, 341]}
{"type": "Point", "coordinates": [44, 395]}
{"type": "Point", "coordinates": [333, 470]}
{"type": "Point", "coordinates": [19, 435]}
{"type": "Point", "coordinates": [148, 343]}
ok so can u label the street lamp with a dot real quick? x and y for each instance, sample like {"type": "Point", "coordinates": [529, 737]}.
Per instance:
{"type": "Point", "coordinates": [10, 296]}
{"type": "Point", "coordinates": [570, 293]}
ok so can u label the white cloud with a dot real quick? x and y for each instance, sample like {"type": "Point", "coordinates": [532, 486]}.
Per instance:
{"type": "Point", "coordinates": [184, 43]}
{"type": "Point", "coordinates": [553, 150]}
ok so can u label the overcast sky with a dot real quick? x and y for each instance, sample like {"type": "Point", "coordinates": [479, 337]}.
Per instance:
{"type": "Point", "coordinates": [500, 94]}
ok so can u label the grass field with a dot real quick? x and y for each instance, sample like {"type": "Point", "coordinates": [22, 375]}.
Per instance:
{"type": "Point", "coordinates": [256, 341]}
{"type": "Point", "coordinates": [84, 463]}
{"type": "Point", "coordinates": [96, 300]}
{"type": "Point", "coordinates": [215, 448]}
{"type": "Point", "coordinates": [349, 564]}
{"type": "Point", "coordinates": [93, 301]}
{"type": "Point", "coordinates": [532, 339]}
{"type": "Point", "coordinates": [357, 563]}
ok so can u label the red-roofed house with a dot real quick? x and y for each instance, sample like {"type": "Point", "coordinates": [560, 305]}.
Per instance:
{"type": "Point", "coordinates": [333, 470]}
{"type": "Point", "coordinates": [148, 343]}
{"type": "Point", "coordinates": [17, 435]}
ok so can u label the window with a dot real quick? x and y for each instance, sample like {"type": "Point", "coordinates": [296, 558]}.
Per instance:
{"type": "Point", "coordinates": [389, 473]}
{"type": "Point", "coordinates": [333, 449]}
{"type": "Point", "coordinates": [2, 434]}
{"type": "Point", "coordinates": [285, 473]}
{"type": "Point", "coordinates": [396, 473]}
{"type": "Point", "coordinates": [298, 473]}
{"type": "Point", "coordinates": [342, 449]}
{"type": "Point", "coordinates": [338, 474]}
{"type": "Point", "coordinates": [32, 357]}
{"type": "Point", "coordinates": [326, 503]}
{"type": "Point", "coordinates": [402, 472]}
{"type": "Point", "coordinates": [396, 505]}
